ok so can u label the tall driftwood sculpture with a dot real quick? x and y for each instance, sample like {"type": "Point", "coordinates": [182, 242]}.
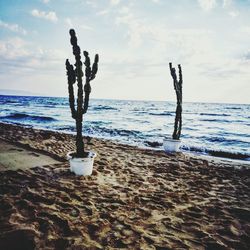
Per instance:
{"type": "Point", "coordinates": [76, 74]}
{"type": "Point", "coordinates": [178, 90]}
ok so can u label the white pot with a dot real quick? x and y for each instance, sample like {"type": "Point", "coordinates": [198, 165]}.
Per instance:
{"type": "Point", "coordinates": [81, 166]}
{"type": "Point", "coordinates": [171, 145]}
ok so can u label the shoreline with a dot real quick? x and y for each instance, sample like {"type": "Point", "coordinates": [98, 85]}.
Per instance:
{"type": "Point", "coordinates": [204, 156]}
{"type": "Point", "coordinates": [135, 199]}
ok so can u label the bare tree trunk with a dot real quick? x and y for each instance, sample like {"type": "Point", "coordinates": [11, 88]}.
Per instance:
{"type": "Point", "coordinates": [178, 90]}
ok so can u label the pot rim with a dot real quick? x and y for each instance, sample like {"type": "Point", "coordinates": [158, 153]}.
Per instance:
{"type": "Point", "coordinates": [171, 140]}
{"type": "Point", "coordinates": [92, 154]}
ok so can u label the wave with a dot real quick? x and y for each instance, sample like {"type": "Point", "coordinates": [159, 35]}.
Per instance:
{"type": "Point", "coordinates": [193, 148]}
{"type": "Point", "coordinates": [212, 114]}
{"type": "Point", "coordinates": [98, 123]}
{"type": "Point", "coordinates": [153, 144]}
{"type": "Point", "coordinates": [232, 134]}
{"type": "Point", "coordinates": [217, 153]}
{"type": "Point", "coordinates": [215, 120]}
{"type": "Point", "coordinates": [112, 132]}
{"type": "Point", "coordinates": [70, 128]}
{"type": "Point", "coordinates": [21, 116]}
{"type": "Point", "coordinates": [140, 112]}
{"type": "Point", "coordinates": [163, 113]}
{"type": "Point", "coordinates": [231, 155]}
{"type": "Point", "coordinates": [223, 140]}
{"type": "Point", "coordinates": [8, 101]}
{"type": "Point", "coordinates": [101, 107]}
{"type": "Point", "coordinates": [47, 105]}
{"type": "Point", "coordinates": [236, 108]}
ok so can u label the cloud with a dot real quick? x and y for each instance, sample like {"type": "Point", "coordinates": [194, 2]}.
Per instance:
{"type": "Point", "coordinates": [226, 3]}
{"type": "Point", "coordinates": [13, 48]}
{"type": "Point", "coordinates": [114, 2]}
{"type": "Point", "coordinates": [245, 29]}
{"type": "Point", "coordinates": [226, 71]}
{"type": "Point", "coordinates": [247, 56]}
{"type": "Point", "coordinates": [233, 14]}
{"type": "Point", "coordinates": [50, 16]}
{"type": "Point", "coordinates": [194, 48]}
{"type": "Point", "coordinates": [18, 56]}
{"type": "Point", "coordinates": [13, 27]}
{"type": "Point", "coordinates": [85, 27]}
{"type": "Point", "coordinates": [207, 5]}
{"type": "Point", "coordinates": [68, 22]}
{"type": "Point", "coordinates": [45, 1]}
{"type": "Point", "coordinates": [92, 3]}
{"type": "Point", "coordinates": [108, 10]}
{"type": "Point", "coordinates": [142, 32]}
{"type": "Point", "coordinates": [136, 28]}
{"type": "Point", "coordinates": [103, 12]}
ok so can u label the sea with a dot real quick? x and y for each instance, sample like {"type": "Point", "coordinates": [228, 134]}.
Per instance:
{"type": "Point", "coordinates": [214, 129]}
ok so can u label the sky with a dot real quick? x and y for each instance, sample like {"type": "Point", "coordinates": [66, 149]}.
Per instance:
{"type": "Point", "coordinates": [135, 40]}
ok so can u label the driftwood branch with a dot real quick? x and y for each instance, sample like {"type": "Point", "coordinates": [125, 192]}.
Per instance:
{"type": "Point", "coordinates": [178, 90]}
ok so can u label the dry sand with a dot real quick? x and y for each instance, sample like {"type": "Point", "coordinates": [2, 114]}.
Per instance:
{"type": "Point", "coordinates": [135, 199]}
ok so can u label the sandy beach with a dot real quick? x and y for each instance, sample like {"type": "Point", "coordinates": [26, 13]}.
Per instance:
{"type": "Point", "coordinates": [135, 199]}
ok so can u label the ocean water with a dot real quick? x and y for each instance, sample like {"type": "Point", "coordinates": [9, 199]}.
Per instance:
{"type": "Point", "coordinates": [208, 128]}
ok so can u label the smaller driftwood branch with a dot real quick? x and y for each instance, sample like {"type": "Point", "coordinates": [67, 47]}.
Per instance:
{"type": "Point", "coordinates": [178, 90]}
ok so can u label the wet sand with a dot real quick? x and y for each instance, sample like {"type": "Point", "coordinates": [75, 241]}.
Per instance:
{"type": "Point", "coordinates": [13, 157]}
{"type": "Point", "coordinates": [135, 199]}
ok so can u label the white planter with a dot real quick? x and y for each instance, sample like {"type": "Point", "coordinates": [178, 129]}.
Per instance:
{"type": "Point", "coordinates": [171, 145]}
{"type": "Point", "coordinates": [81, 166]}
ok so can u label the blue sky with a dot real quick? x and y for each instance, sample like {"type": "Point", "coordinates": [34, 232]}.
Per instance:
{"type": "Point", "coordinates": [136, 39]}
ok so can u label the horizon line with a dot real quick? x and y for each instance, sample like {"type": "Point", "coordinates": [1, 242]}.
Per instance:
{"type": "Point", "coordinates": [116, 99]}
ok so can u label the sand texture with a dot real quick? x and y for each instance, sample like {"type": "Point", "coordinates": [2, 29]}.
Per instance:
{"type": "Point", "coordinates": [13, 157]}
{"type": "Point", "coordinates": [135, 199]}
